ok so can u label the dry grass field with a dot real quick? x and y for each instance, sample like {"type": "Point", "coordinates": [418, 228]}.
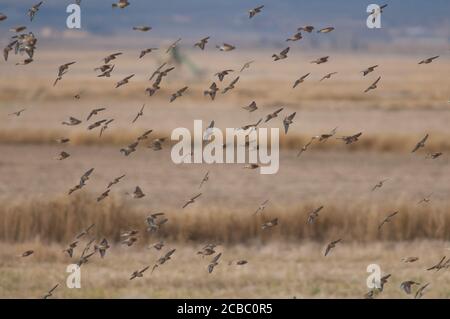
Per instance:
{"type": "Point", "coordinates": [283, 261]}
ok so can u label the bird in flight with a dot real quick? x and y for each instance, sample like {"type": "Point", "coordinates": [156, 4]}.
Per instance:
{"type": "Point", "coordinates": [429, 60]}
{"type": "Point", "coordinates": [115, 181]}
{"type": "Point", "coordinates": [138, 273]}
{"type": "Point", "coordinates": [426, 199]}
{"type": "Point", "coordinates": [306, 28]}
{"type": "Point", "coordinates": [111, 57]}
{"type": "Point", "coordinates": [139, 114]}
{"type": "Point", "coordinates": [173, 45]}
{"type": "Point", "coordinates": [305, 147]}
{"type": "Point", "coordinates": [230, 86]}
{"type": "Point", "coordinates": [297, 36]}
{"type": "Point", "coordinates": [373, 86]}
{"type": "Point", "coordinates": [387, 219]}
{"type": "Point", "coordinates": [17, 113]}
{"type": "Point", "coordinates": [251, 107]}
{"type": "Point", "coordinates": [146, 51]}
{"type": "Point", "coordinates": [50, 292]}
{"type": "Point", "coordinates": [62, 69]}
{"type": "Point", "coordinates": [246, 65]}
{"type": "Point", "coordinates": [369, 70]}
{"type": "Point", "coordinates": [204, 180]}
{"type": "Point", "coordinates": [351, 138]}
{"type": "Point", "coordinates": [273, 115]}
{"type": "Point", "coordinates": [331, 246]}
{"type": "Point", "coordinates": [221, 75]}
{"type": "Point", "coordinates": [202, 43]}
{"type": "Point", "coordinates": [321, 60]}
{"type": "Point", "coordinates": [137, 193]}
{"type": "Point", "coordinates": [325, 30]}
{"type": "Point", "coordinates": [121, 4]}
{"type": "Point", "coordinates": [192, 200]}
{"type": "Point", "coordinates": [300, 80]}
{"type": "Point", "coordinates": [214, 263]}
{"type": "Point", "coordinates": [178, 94]}
{"type": "Point", "coordinates": [154, 223]}
{"type": "Point", "coordinates": [420, 144]}
{"type": "Point", "coordinates": [254, 11]}
{"type": "Point", "coordinates": [270, 223]}
{"type": "Point", "coordinates": [95, 112]}
{"type": "Point", "coordinates": [225, 47]}
{"type": "Point", "coordinates": [102, 247]}
{"type": "Point", "coordinates": [419, 292]}
{"type": "Point", "coordinates": [379, 184]}
{"type": "Point", "coordinates": [288, 121]}
{"type": "Point", "coordinates": [143, 28]}
{"type": "Point", "coordinates": [314, 214]}
{"type": "Point", "coordinates": [124, 81]}
{"type": "Point", "coordinates": [163, 259]}
{"type": "Point", "coordinates": [282, 55]}
{"type": "Point", "coordinates": [261, 207]}
{"type": "Point", "coordinates": [327, 76]}
{"type": "Point", "coordinates": [212, 91]}
{"type": "Point", "coordinates": [434, 155]}
{"type": "Point", "coordinates": [407, 285]}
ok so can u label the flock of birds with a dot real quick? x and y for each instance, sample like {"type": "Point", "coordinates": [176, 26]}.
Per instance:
{"type": "Point", "coordinates": [25, 43]}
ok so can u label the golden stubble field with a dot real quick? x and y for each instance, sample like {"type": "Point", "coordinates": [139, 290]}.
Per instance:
{"type": "Point", "coordinates": [283, 261]}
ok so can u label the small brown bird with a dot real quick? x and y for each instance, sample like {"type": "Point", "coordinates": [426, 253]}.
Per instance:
{"type": "Point", "coordinates": [251, 166]}
{"type": "Point", "coordinates": [62, 155]}
{"type": "Point", "coordinates": [3, 17]}
{"type": "Point", "coordinates": [434, 155]}
{"type": "Point", "coordinates": [251, 107]}
{"type": "Point", "coordinates": [231, 85]}
{"type": "Point", "coordinates": [129, 149]}
{"type": "Point", "coordinates": [139, 114]}
{"type": "Point", "coordinates": [426, 199]}
{"type": "Point", "coordinates": [173, 45]}
{"type": "Point", "coordinates": [17, 113]}
{"type": "Point", "coordinates": [379, 184]}
{"type": "Point", "coordinates": [154, 223]}
{"type": "Point", "coordinates": [192, 200]}
{"type": "Point", "coordinates": [146, 51]}
{"type": "Point", "coordinates": [373, 86]}
{"type": "Point", "coordinates": [387, 219]}
{"type": "Point", "coordinates": [202, 43]}
{"type": "Point", "coordinates": [326, 30]}
{"type": "Point", "coordinates": [306, 28]}
{"type": "Point", "coordinates": [143, 28]}
{"type": "Point", "coordinates": [25, 62]}
{"type": "Point", "coordinates": [85, 231]}
{"type": "Point", "coordinates": [163, 259]}
{"type": "Point", "coordinates": [18, 29]}
{"type": "Point", "coordinates": [96, 124]}
{"type": "Point", "coordinates": [288, 121]}
{"type": "Point", "coordinates": [420, 144]}
{"type": "Point", "coordinates": [300, 80]}
{"type": "Point", "coordinates": [327, 76]}
{"type": "Point", "coordinates": [34, 9]}
{"type": "Point", "coordinates": [351, 138]}
{"type": "Point", "coordinates": [111, 57]}
{"type": "Point", "coordinates": [297, 36]}
{"type": "Point", "coordinates": [69, 250]}
{"type": "Point", "coordinates": [214, 263]}
{"type": "Point", "coordinates": [137, 193]}
{"type": "Point", "coordinates": [27, 253]}
{"type": "Point", "coordinates": [103, 195]}
{"type": "Point", "coordinates": [106, 73]}
{"type": "Point", "coordinates": [406, 286]}
{"type": "Point", "coordinates": [369, 69]}
{"type": "Point", "coordinates": [241, 262]}
{"type": "Point", "coordinates": [314, 214]}
{"type": "Point", "coordinates": [50, 292]}
{"type": "Point", "coordinates": [121, 4]}
{"type": "Point", "coordinates": [115, 181]}
{"type": "Point", "coordinates": [410, 259]}
{"type": "Point", "coordinates": [72, 121]}
{"type": "Point", "coordinates": [138, 273]}
{"type": "Point", "coordinates": [383, 281]}
{"type": "Point", "coordinates": [95, 112]}
{"type": "Point", "coordinates": [144, 135]}
{"type": "Point", "coordinates": [282, 55]}
{"type": "Point", "coordinates": [251, 126]}
{"type": "Point", "coordinates": [439, 265]}
{"type": "Point", "coordinates": [105, 126]}
{"type": "Point", "coordinates": [129, 233]}
{"type": "Point", "coordinates": [62, 69]}
{"type": "Point", "coordinates": [305, 147]}
{"type": "Point", "coordinates": [124, 81]}
{"type": "Point", "coordinates": [261, 207]}
{"type": "Point", "coordinates": [129, 241]}
{"type": "Point", "coordinates": [178, 94]}
{"type": "Point", "coordinates": [429, 60]}
{"type": "Point", "coordinates": [157, 143]}
{"type": "Point", "coordinates": [225, 47]}
{"type": "Point", "coordinates": [204, 180]}
{"type": "Point", "coordinates": [419, 292]}
{"type": "Point", "coordinates": [331, 246]}
{"type": "Point", "coordinates": [273, 115]}
{"type": "Point", "coordinates": [102, 247]}
{"type": "Point", "coordinates": [324, 137]}
{"type": "Point", "coordinates": [159, 245]}
{"type": "Point", "coordinates": [62, 140]}
{"type": "Point", "coordinates": [321, 60]}
{"type": "Point", "coordinates": [254, 11]}
{"type": "Point", "coordinates": [246, 65]}
{"type": "Point", "coordinates": [270, 223]}
{"type": "Point", "coordinates": [221, 75]}
{"type": "Point", "coordinates": [212, 91]}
